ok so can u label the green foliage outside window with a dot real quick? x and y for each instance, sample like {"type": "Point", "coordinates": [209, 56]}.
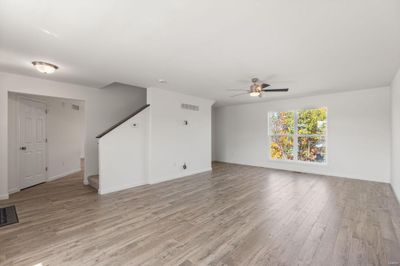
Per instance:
{"type": "Point", "coordinates": [298, 135]}
{"type": "Point", "coordinates": [312, 122]}
{"type": "Point", "coordinates": [282, 123]}
{"type": "Point", "coordinates": [282, 147]}
{"type": "Point", "coordinates": [311, 149]}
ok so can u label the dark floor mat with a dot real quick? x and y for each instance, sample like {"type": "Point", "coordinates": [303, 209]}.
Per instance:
{"type": "Point", "coordinates": [8, 215]}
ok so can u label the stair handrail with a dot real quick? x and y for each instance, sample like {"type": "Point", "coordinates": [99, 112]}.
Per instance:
{"type": "Point", "coordinates": [122, 121]}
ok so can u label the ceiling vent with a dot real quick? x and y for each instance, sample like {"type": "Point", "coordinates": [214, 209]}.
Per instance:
{"type": "Point", "coordinates": [190, 107]}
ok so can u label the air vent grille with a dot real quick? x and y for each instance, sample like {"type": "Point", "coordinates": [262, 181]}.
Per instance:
{"type": "Point", "coordinates": [190, 107]}
{"type": "Point", "coordinates": [75, 107]}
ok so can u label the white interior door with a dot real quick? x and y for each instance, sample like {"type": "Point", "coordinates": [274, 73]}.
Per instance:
{"type": "Point", "coordinates": [32, 142]}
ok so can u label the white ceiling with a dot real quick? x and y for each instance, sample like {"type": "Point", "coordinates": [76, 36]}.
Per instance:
{"type": "Point", "coordinates": [205, 47]}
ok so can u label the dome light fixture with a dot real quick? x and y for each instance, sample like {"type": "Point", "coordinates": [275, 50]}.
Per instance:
{"type": "Point", "coordinates": [44, 67]}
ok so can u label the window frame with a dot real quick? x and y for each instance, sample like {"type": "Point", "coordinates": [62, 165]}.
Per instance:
{"type": "Point", "coordinates": [296, 136]}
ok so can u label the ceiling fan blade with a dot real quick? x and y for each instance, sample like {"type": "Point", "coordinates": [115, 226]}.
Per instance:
{"type": "Point", "coordinates": [239, 94]}
{"type": "Point", "coordinates": [264, 85]}
{"type": "Point", "coordinates": [276, 90]}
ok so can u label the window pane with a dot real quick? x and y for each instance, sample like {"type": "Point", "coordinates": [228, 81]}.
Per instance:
{"type": "Point", "coordinates": [312, 121]}
{"type": "Point", "coordinates": [312, 149]}
{"type": "Point", "coordinates": [281, 147]}
{"type": "Point", "coordinates": [281, 123]}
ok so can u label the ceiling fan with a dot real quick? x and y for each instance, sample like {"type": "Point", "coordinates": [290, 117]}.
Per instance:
{"type": "Point", "coordinates": [257, 89]}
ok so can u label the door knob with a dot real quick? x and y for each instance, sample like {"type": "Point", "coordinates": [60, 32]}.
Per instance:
{"type": "Point", "coordinates": [23, 148]}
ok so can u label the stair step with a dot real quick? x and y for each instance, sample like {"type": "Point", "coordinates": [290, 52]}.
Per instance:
{"type": "Point", "coordinates": [94, 181]}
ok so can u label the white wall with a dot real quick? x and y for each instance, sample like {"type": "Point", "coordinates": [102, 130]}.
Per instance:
{"type": "Point", "coordinates": [171, 143]}
{"type": "Point", "coordinates": [65, 129]}
{"type": "Point", "coordinates": [103, 108]}
{"type": "Point", "coordinates": [358, 134]}
{"type": "Point", "coordinates": [65, 133]}
{"type": "Point", "coordinates": [156, 149]}
{"type": "Point", "coordinates": [396, 135]}
{"type": "Point", "coordinates": [83, 132]}
{"type": "Point", "coordinates": [122, 155]}
{"type": "Point", "coordinates": [213, 135]}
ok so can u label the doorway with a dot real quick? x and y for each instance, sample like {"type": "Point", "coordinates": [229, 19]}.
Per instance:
{"type": "Point", "coordinates": [46, 139]}
{"type": "Point", "coordinates": [32, 142]}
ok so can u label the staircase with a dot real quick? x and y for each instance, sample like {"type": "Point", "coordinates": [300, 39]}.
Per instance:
{"type": "Point", "coordinates": [115, 182]}
{"type": "Point", "coordinates": [94, 181]}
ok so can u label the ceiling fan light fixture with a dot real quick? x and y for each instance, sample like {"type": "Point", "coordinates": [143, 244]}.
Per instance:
{"type": "Point", "coordinates": [44, 67]}
{"type": "Point", "coordinates": [257, 90]}
{"type": "Point", "coordinates": [254, 93]}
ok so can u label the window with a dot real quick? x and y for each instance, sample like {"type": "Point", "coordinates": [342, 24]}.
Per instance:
{"type": "Point", "coordinates": [298, 135]}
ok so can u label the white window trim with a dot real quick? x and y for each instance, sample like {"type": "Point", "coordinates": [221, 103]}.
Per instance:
{"type": "Point", "coordinates": [296, 139]}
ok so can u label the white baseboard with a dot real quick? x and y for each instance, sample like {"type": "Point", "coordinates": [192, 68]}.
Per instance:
{"type": "Point", "coordinates": [63, 174]}
{"type": "Point", "coordinates": [309, 171]}
{"type": "Point", "coordinates": [103, 191]}
{"type": "Point", "coordinates": [13, 190]}
{"type": "Point", "coordinates": [183, 174]}
{"type": "Point", "coordinates": [397, 196]}
{"type": "Point", "coordinates": [4, 197]}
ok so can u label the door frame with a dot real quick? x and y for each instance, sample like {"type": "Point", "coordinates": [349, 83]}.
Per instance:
{"type": "Point", "coordinates": [19, 100]}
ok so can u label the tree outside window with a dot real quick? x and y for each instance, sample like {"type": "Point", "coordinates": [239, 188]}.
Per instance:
{"type": "Point", "coordinates": [298, 135]}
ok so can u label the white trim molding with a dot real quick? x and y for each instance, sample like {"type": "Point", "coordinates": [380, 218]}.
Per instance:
{"type": "Point", "coordinates": [183, 174]}
{"type": "Point", "coordinates": [13, 190]}
{"type": "Point", "coordinates": [4, 197]}
{"type": "Point", "coordinates": [118, 188]}
{"type": "Point", "coordinates": [63, 175]}
{"type": "Point", "coordinates": [159, 180]}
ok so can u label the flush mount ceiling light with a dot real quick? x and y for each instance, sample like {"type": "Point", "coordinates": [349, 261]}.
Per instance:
{"type": "Point", "coordinates": [44, 67]}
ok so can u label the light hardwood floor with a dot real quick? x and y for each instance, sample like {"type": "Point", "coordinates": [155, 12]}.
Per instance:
{"type": "Point", "coordinates": [237, 215]}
